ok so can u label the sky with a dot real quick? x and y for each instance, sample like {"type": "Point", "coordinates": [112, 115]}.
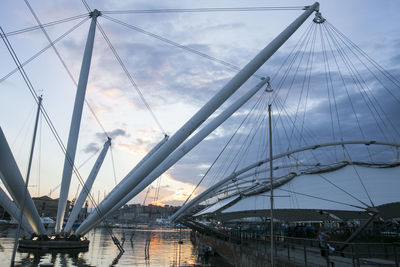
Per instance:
{"type": "Point", "coordinates": [174, 82]}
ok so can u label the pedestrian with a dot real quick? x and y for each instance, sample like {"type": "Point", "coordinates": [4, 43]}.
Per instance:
{"type": "Point", "coordinates": [323, 242]}
{"type": "Point", "coordinates": [325, 246]}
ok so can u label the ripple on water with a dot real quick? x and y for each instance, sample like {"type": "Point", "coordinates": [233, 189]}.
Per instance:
{"type": "Point", "coordinates": [163, 250]}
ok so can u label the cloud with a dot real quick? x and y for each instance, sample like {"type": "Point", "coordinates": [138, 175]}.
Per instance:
{"type": "Point", "coordinates": [172, 192]}
{"type": "Point", "coordinates": [140, 146]}
{"type": "Point", "coordinates": [91, 148]}
{"type": "Point", "coordinates": [114, 134]}
{"type": "Point", "coordinates": [117, 132]}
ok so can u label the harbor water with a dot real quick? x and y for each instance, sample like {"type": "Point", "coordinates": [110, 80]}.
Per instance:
{"type": "Point", "coordinates": [143, 246]}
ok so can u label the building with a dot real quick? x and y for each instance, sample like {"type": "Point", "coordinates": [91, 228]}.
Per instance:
{"type": "Point", "coordinates": [47, 207]}
{"type": "Point", "coordinates": [136, 213]}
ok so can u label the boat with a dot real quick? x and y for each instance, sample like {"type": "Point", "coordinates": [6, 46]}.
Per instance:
{"type": "Point", "coordinates": [8, 223]}
{"type": "Point", "coordinates": [53, 243]}
{"type": "Point", "coordinates": [48, 222]}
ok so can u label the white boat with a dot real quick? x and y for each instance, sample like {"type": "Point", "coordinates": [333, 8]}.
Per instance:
{"type": "Point", "coordinates": [48, 222]}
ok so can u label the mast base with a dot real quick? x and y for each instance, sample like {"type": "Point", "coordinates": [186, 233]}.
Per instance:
{"type": "Point", "coordinates": [53, 243]}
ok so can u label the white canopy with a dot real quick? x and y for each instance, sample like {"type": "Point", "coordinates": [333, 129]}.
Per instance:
{"type": "Point", "coordinates": [349, 188]}
{"type": "Point", "coordinates": [218, 205]}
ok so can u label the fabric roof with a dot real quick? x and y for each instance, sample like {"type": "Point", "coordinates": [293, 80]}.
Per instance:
{"type": "Point", "coordinates": [216, 206]}
{"type": "Point", "coordinates": [342, 189]}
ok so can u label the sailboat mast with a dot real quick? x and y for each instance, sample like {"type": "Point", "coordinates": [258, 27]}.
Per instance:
{"type": "Point", "coordinates": [76, 122]}
{"type": "Point", "coordinates": [21, 214]}
{"type": "Point", "coordinates": [271, 188]}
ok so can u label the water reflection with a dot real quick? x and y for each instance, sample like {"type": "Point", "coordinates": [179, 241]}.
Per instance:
{"type": "Point", "coordinates": [143, 247]}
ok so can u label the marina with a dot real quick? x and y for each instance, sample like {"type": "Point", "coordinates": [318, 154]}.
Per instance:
{"type": "Point", "coordinates": [164, 250]}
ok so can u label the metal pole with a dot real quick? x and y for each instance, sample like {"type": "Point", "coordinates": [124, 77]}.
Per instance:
{"type": "Point", "coordinates": [305, 253]}
{"type": "Point", "coordinates": [76, 122]}
{"type": "Point", "coordinates": [271, 195]}
{"type": "Point", "coordinates": [87, 187]}
{"type": "Point", "coordinates": [357, 257]}
{"type": "Point", "coordinates": [28, 172]}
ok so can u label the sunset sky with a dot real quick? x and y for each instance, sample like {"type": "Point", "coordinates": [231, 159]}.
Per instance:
{"type": "Point", "coordinates": [174, 82]}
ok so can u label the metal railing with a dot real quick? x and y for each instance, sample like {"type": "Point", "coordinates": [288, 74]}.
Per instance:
{"type": "Point", "coordinates": [306, 251]}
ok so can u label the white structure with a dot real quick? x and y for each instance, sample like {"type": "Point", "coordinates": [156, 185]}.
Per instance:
{"type": "Point", "coordinates": [75, 123]}
{"type": "Point", "coordinates": [10, 207]}
{"type": "Point", "coordinates": [87, 187]}
{"type": "Point", "coordinates": [339, 189]}
{"type": "Point", "coordinates": [13, 181]}
{"type": "Point", "coordinates": [212, 191]}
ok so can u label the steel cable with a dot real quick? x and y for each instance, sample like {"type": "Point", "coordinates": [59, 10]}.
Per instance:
{"type": "Point", "coordinates": [127, 73]}
{"type": "Point", "coordinates": [202, 10]}
{"type": "Point", "coordinates": [186, 48]}
{"type": "Point", "coordinates": [8, 34]}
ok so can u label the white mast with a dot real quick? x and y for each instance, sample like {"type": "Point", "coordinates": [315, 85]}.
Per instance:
{"type": "Point", "coordinates": [87, 187]}
{"type": "Point", "coordinates": [11, 209]}
{"type": "Point", "coordinates": [76, 122]}
{"type": "Point", "coordinates": [13, 181]}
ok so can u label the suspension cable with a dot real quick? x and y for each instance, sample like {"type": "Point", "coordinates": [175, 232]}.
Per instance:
{"type": "Point", "coordinates": [343, 190]}
{"type": "Point", "coordinates": [369, 89]}
{"type": "Point", "coordinates": [345, 86]}
{"type": "Point", "coordinates": [321, 198]}
{"type": "Point", "coordinates": [312, 54]}
{"type": "Point", "coordinates": [113, 166]}
{"type": "Point", "coordinates": [63, 63]}
{"type": "Point", "coordinates": [359, 178]}
{"type": "Point", "coordinates": [298, 46]}
{"type": "Point", "coordinates": [130, 78]}
{"type": "Point", "coordinates": [202, 10]}
{"type": "Point", "coordinates": [8, 34]}
{"type": "Point", "coordinates": [185, 48]}
{"type": "Point", "coordinates": [220, 154]}
{"type": "Point", "coordinates": [329, 87]}
{"type": "Point", "coordinates": [360, 83]}
{"type": "Point", "coordinates": [312, 38]}
{"type": "Point", "coordinates": [44, 49]}
{"type": "Point", "coordinates": [257, 109]}
{"type": "Point", "coordinates": [390, 77]}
